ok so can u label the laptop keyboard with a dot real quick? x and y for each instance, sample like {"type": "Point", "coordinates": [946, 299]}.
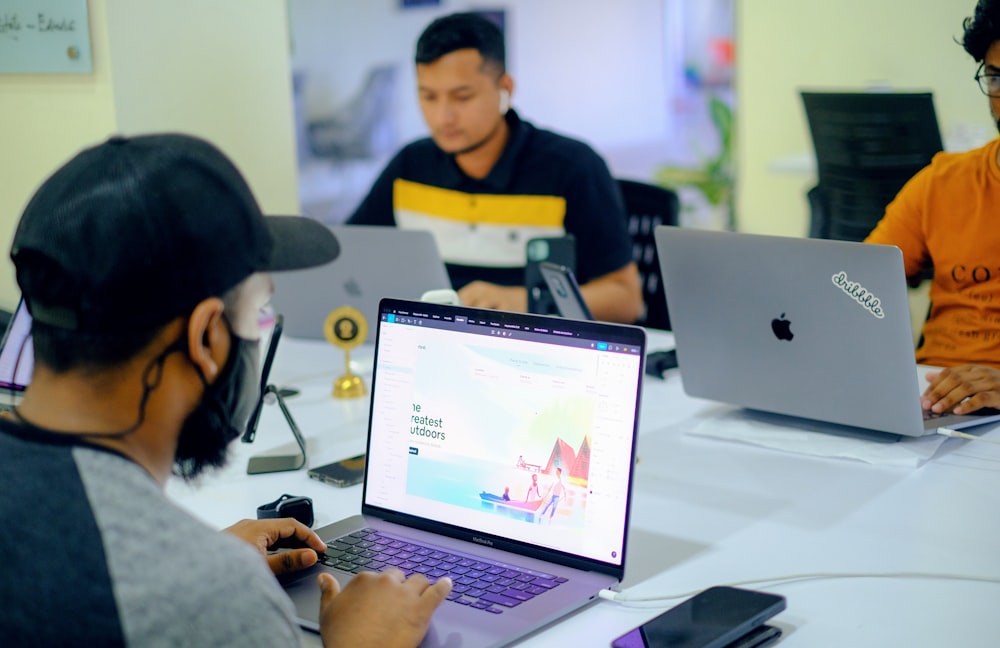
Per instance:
{"type": "Point", "coordinates": [479, 583]}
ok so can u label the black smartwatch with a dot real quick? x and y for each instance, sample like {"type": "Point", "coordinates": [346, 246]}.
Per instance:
{"type": "Point", "coordinates": [293, 506]}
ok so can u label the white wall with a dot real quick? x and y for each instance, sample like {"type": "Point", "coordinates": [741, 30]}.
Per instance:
{"type": "Point", "coordinates": [588, 68]}
{"type": "Point", "coordinates": [218, 69]}
{"type": "Point", "coordinates": [785, 45]}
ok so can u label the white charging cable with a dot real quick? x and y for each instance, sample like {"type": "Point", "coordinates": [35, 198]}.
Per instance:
{"type": "Point", "coordinates": [962, 435]}
{"type": "Point", "coordinates": [638, 601]}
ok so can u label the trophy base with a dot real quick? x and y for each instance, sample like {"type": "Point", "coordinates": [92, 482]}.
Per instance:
{"type": "Point", "coordinates": [349, 386]}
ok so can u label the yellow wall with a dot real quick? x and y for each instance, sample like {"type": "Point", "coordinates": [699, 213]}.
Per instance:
{"type": "Point", "coordinates": [45, 119]}
{"type": "Point", "coordinates": [786, 45]}
{"type": "Point", "coordinates": [218, 69]}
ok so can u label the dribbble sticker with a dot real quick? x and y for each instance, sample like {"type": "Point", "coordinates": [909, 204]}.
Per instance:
{"type": "Point", "coordinates": [859, 293]}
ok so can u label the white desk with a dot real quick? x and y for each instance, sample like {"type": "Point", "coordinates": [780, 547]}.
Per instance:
{"type": "Point", "coordinates": [709, 512]}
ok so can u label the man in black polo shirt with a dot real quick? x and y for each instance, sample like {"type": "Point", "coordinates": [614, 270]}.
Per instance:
{"type": "Point", "coordinates": [486, 182]}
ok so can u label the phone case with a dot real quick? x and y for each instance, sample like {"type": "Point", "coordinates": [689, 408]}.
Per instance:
{"type": "Point", "coordinates": [343, 473]}
{"type": "Point", "coordinates": [560, 250]}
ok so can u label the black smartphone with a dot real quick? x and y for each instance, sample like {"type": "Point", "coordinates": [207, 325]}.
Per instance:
{"type": "Point", "coordinates": [714, 618]}
{"type": "Point", "coordinates": [560, 250]}
{"type": "Point", "coordinates": [265, 372]}
{"type": "Point", "coordinates": [565, 291]}
{"type": "Point", "coordinates": [343, 473]}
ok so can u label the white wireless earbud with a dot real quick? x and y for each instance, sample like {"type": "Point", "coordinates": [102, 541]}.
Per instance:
{"type": "Point", "coordinates": [504, 102]}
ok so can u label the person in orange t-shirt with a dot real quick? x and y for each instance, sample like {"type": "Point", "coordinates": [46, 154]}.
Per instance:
{"type": "Point", "coordinates": [948, 215]}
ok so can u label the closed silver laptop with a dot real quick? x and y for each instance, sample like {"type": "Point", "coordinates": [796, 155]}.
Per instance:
{"type": "Point", "coordinates": [812, 328]}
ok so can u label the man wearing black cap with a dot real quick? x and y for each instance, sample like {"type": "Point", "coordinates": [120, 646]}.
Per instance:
{"type": "Point", "coordinates": [143, 262]}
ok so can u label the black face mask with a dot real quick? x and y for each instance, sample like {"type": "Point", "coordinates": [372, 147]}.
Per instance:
{"type": "Point", "coordinates": [222, 414]}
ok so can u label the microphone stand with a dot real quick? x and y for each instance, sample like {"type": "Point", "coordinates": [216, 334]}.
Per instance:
{"type": "Point", "coordinates": [280, 463]}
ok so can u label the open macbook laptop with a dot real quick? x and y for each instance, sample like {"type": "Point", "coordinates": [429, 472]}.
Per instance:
{"type": "Point", "coordinates": [813, 328]}
{"type": "Point", "coordinates": [500, 454]}
{"type": "Point", "coordinates": [374, 262]}
{"type": "Point", "coordinates": [16, 357]}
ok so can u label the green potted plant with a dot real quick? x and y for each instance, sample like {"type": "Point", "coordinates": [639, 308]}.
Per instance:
{"type": "Point", "coordinates": [714, 180]}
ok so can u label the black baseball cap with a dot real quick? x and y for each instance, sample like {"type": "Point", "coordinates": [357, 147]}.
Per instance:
{"type": "Point", "coordinates": [137, 230]}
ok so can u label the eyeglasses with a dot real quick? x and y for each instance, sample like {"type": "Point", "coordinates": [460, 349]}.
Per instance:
{"type": "Point", "coordinates": [988, 83]}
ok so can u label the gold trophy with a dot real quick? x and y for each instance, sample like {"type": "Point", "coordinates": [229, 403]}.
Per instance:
{"type": "Point", "coordinates": [346, 328]}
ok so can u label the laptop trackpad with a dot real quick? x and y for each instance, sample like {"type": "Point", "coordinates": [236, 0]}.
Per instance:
{"type": "Point", "coordinates": [302, 588]}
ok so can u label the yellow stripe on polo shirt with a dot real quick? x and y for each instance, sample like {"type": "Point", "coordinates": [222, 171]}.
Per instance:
{"type": "Point", "coordinates": [489, 230]}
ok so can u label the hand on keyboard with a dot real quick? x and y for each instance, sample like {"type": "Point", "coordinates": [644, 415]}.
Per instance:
{"type": "Point", "coordinates": [962, 389]}
{"type": "Point", "coordinates": [480, 583]}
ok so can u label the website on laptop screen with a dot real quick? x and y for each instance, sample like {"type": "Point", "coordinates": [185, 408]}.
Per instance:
{"type": "Point", "coordinates": [17, 359]}
{"type": "Point", "coordinates": [506, 425]}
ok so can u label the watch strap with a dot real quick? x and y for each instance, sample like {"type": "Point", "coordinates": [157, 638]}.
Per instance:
{"type": "Point", "coordinates": [284, 506]}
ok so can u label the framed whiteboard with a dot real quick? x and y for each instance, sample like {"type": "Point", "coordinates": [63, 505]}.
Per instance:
{"type": "Point", "coordinates": [45, 37]}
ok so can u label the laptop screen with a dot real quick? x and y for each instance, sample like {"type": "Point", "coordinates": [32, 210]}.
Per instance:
{"type": "Point", "coordinates": [514, 426]}
{"type": "Point", "coordinates": [17, 359]}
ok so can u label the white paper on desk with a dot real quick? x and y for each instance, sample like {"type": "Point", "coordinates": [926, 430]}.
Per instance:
{"type": "Point", "coordinates": [740, 425]}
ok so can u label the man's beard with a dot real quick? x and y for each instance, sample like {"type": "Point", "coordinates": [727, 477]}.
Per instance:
{"type": "Point", "coordinates": [222, 414]}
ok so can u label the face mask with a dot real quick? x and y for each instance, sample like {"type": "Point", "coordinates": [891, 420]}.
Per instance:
{"type": "Point", "coordinates": [223, 412]}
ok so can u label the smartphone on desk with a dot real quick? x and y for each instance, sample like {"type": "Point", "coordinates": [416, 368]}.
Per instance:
{"type": "Point", "coordinates": [564, 291]}
{"type": "Point", "coordinates": [560, 250]}
{"type": "Point", "coordinates": [343, 473]}
{"type": "Point", "coordinates": [718, 617]}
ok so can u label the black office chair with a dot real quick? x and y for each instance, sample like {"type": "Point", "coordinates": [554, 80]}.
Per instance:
{"type": "Point", "coordinates": [867, 145]}
{"type": "Point", "coordinates": [647, 206]}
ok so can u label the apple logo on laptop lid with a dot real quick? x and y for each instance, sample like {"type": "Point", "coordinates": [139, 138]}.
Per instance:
{"type": "Point", "coordinates": [782, 328]}
{"type": "Point", "coordinates": [352, 287]}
